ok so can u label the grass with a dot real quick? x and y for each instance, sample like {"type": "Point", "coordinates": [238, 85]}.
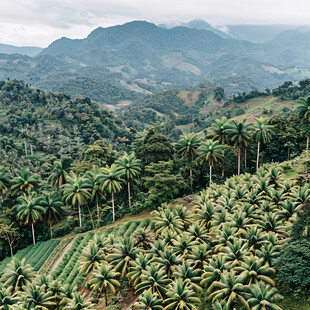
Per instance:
{"type": "Point", "coordinates": [291, 302]}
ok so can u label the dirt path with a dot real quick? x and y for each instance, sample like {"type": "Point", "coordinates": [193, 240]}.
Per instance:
{"type": "Point", "coordinates": [59, 259]}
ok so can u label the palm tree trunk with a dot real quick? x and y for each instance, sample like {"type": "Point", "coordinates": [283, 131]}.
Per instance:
{"type": "Point", "coordinates": [50, 223]}
{"type": "Point", "coordinates": [106, 297]}
{"type": "Point", "coordinates": [191, 177]}
{"type": "Point", "coordinates": [113, 210]}
{"type": "Point", "coordinates": [245, 155]}
{"type": "Point", "coordinates": [257, 159]}
{"type": "Point", "coordinates": [307, 147]}
{"type": "Point", "coordinates": [25, 143]}
{"type": "Point", "coordinates": [129, 198]}
{"type": "Point", "coordinates": [223, 163]}
{"type": "Point", "coordinates": [239, 155]}
{"type": "Point", "coordinates": [31, 149]}
{"type": "Point", "coordinates": [210, 175]}
{"type": "Point", "coordinates": [288, 153]}
{"type": "Point", "coordinates": [33, 236]}
{"type": "Point", "coordinates": [80, 218]}
{"type": "Point", "coordinates": [98, 215]}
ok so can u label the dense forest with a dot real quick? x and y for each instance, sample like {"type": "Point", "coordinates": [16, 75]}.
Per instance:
{"type": "Point", "coordinates": [230, 206]}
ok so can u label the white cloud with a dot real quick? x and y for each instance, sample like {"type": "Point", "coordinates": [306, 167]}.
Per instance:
{"type": "Point", "coordinates": [39, 22]}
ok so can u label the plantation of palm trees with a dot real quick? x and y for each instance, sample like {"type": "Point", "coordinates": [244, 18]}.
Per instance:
{"type": "Point", "coordinates": [212, 220]}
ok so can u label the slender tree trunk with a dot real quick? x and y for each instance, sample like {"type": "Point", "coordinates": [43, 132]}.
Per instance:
{"type": "Point", "coordinates": [33, 236]}
{"type": "Point", "coordinates": [239, 155]}
{"type": "Point", "coordinates": [25, 143]}
{"type": "Point", "coordinates": [257, 159]}
{"type": "Point", "coordinates": [245, 156]}
{"type": "Point", "coordinates": [191, 177]}
{"type": "Point", "coordinates": [80, 218]}
{"type": "Point", "coordinates": [288, 153]}
{"type": "Point", "coordinates": [129, 198]}
{"type": "Point", "coordinates": [98, 215]}
{"type": "Point", "coordinates": [50, 223]}
{"type": "Point", "coordinates": [11, 248]}
{"type": "Point", "coordinates": [31, 149]}
{"type": "Point", "coordinates": [307, 147]}
{"type": "Point", "coordinates": [113, 210]}
{"type": "Point", "coordinates": [210, 175]}
{"type": "Point", "coordinates": [106, 297]}
{"type": "Point", "coordinates": [223, 166]}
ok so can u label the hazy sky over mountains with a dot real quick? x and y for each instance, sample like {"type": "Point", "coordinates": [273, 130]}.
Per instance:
{"type": "Point", "coordinates": [39, 22]}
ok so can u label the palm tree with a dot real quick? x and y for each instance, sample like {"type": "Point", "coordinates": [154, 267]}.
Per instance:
{"type": "Point", "coordinates": [92, 256]}
{"type": "Point", "coordinates": [211, 152]}
{"type": "Point", "coordinates": [304, 112]}
{"type": "Point", "coordinates": [24, 182]}
{"type": "Point", "coordinates": [230, 289]}
{"type": "Point", "coordinates": [59, 172]}
{"type": "Point", "coordinates": [7, 299]}
{"type": "Point", "coordinates": [111, 181]}
{"type": "Point", "coordinates": [239, 136]}
{"type": "Point", "coordinates": [53, 208]}
{"type": "Point", "coordinates": [130, 168]}
{"type": "Point", "coordinates": [149, 301]}
{"type": "Point", "coordinates": [219, 133]}
{"type": "Point", "coordinates": [262, 134]}
{"type": "Point", "coordinates": [76, 192]}
{"type": "Point", "coordinates": [17, 274]}
{"type": "Point", "coordinates": [37, 298]}
{"type": "Point", "coordinates": [95, 179]}
{"type": "Point", "coordinates": [122, 255]}
{"type": "Point", "coordinates": [188, 148]}
{"type": "Point", "coordinates": [137, 266]}
{"type": "Point", "coordinates": [104, 279]}
{"type": "Point", "coordinates": [78, 302]}
{"type": "Point", "coordinates": [180, 296]}
{"type": "Point", "coordinates": [29, 211]}
{"type": "Point", "coordinates": [263, 297]}
{"type": "Point", "coordinates": [154, 279]}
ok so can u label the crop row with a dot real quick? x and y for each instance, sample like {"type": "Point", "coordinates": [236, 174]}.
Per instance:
{"type": "Point", "coordinates": [35, 255]}
{"type": "Point", "coordinates": [67, 271]}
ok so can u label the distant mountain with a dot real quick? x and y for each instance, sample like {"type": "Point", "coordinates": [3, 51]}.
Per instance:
{"type": "Point", "coordinates": [139, 58]}
{"type": "Point", "coordinates": [23, 50]}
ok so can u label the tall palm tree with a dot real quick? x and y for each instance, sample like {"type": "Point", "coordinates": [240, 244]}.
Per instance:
{"type": "Point", "coordinates": [211, 152]}
{"type": "Point", "coordinates": [76, 192]}
{"type": "Point", "coordinates": [59, 172]}
{"type": "Point", "coordinates": [104, 279]}
{"type": "Point", "coordinates": [130, 168]}
{"type": "Point", "coordinates": [219, 133]}
{"type": "Point", "coordinates": [262, 134]}
{"type": "Point", "coordinates": [95, 179]}
{"type": "Point", "coordinates": [17, 274]}
{"type": "Point", "coordinates": [304, 112]}
{"type": "Point", "coordinates": [180, 296]}
{"type": "Point", "coordinates": [29, 211]}
{"type": "Point", "coordinates": [188, 148]}
{"type": "Point", "coordinates": [24, 182]}
{"type": "Point", "coordinates": [239, 136]}
{"type": "Point", "coordinates": [112, 182]}
{"type": "Point", "coordinates": [53, 208]}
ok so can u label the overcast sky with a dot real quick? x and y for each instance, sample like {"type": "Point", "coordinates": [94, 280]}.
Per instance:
{"type": "Point", "coordinates": [39, 22]}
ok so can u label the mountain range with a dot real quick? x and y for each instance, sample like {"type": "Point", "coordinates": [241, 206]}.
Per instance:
{"type": "Point", "coordinates": [124, 62]}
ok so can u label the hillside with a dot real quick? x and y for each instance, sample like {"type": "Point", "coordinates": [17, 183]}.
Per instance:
{"type": "Point", "coordinates": [52, 123]}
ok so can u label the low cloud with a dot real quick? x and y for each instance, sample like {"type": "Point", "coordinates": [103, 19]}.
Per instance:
{"type": "Point", "coordinates": [39, 22]}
